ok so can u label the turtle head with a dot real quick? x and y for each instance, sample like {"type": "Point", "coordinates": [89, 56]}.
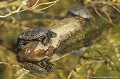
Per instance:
{"type": "Point", "coordinates": [20, 43]}
{"type": "Point", "coordinates": [53, 34]}
{"type": "Point", "coordinates": [89, 18]}
{"type": "Point", "coordinates": [80, 12]}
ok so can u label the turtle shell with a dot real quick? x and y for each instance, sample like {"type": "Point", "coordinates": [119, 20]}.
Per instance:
{"type": "Point", "coordinates": [35, 33]}
{"type": "Point", "coordinates": [80, 11]}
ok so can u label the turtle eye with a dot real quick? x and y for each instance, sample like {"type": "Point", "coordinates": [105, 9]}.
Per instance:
{"type": "Point", "coordinates": [22, 46]}
{"type": "Point", "coordinates": [25, 42]}
{"type": "Point", "coordinates": [41, 37]}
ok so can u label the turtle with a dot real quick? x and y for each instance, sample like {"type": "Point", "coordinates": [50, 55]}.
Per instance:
{"type": "Point", "coordinates": [42, 67]}
{"type": "Point", "coordinates": [35, 34]}
{"type": "Point", "coordinates": [79, 11]}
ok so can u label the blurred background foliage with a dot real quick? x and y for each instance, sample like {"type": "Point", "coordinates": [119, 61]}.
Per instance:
{"type": "Point", "coordinates": [101, 60]}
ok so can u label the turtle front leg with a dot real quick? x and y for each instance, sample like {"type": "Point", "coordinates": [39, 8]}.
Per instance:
{"type": "Point", "coordinates": [45, 40]}
{"type": "Point", "coordinates": [47, 37]}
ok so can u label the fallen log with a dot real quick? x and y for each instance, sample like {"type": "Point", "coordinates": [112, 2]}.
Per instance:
{"type": "Point", "coordinates": [71, 35]}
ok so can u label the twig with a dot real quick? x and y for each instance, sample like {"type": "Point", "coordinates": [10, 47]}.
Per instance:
{"type": "Point", "coordinates": [47, 7]}
{"type": "Point", "coordinates": [117, 68]}
{"type": "Point", "coordinates": [33, 7]}
{"type": "Point", "coordinates": [114, 7]}
{"type": "Point", "coordinates": [108, 3]}
{"type": "Point", "coordinates": [110, 60]}
{"type": "Point", "coordinates": [70, 74]}
{"type": "Point", "coordinates": [30, 8]}
{"type": "Point", "coordinates": [13, 12]}
{"type": "Point", "coordinates": [17, 66]}
{"type": "Point", "coordinates": [1, 62]}
{"type": "Point", "coordinates": [102, 16]}
{"type": "Point", "coordinates": [80, 64]}
{"type": "Point", "coordinates": [74, 68]}
{"type": "Point", "coordinates": [104, 2]}
{"type": "Point", "coordinates": [35, 3]}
